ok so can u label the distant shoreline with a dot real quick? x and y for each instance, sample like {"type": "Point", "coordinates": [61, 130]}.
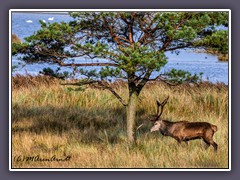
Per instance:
{"type": "Point", "coordinates": [41, 12]}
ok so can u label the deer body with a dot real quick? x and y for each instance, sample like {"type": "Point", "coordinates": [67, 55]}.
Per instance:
{"type": "Point", "coordinates": [184, 130]}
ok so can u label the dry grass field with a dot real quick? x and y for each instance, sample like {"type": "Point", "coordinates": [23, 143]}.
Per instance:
{"type": "Point", "coordinates": [89, 126]}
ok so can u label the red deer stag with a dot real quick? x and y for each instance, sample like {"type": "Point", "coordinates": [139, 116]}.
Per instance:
{"type": "Point", "coordinates": [184, 130]}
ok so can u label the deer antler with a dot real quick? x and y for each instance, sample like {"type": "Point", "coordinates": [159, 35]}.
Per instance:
{"type": "Point", "coordinates": [156, 117]}
{"type": "Point", "coordinates": [161, 105]}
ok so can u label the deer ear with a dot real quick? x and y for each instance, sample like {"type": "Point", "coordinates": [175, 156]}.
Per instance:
{"type": "Point", "coordinates": [153, 120]}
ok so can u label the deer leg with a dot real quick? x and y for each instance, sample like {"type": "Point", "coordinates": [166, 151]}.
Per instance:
{"type": "Point", "coordinates": [207, 144]}
{"type": "Point", "coordinates": [179, 141]}
{"type": "Point", "coordinates": [215, 146]}
{"type": "Point", "coordinates": [209, 139]}
{"type": "Point", "coordinates": [211, 142]}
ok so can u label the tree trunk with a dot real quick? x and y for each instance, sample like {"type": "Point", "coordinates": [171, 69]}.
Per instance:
{"type": "Point", "coordinates": [131, 117]}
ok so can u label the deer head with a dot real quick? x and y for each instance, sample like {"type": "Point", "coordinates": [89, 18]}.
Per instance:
{"type": "Point", "coordinates": [157, 121]}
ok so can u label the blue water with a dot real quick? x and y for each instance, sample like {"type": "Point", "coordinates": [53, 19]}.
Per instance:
{"type": "Point", "coordinates": [25, 24]}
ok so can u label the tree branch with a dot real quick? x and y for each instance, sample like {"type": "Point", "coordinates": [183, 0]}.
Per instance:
{"type": "Point", "coordinates": [144, 80]}
{"type": "Point", "coordinates": [85, 64]}
{"type": "Point", "coordinates": [79, 83]}
{"type": "Point", "coordinates": [169, 39]}
{"type": "Point", "coordinates": [167, 82]}
{"type": "Point", "coordinates": [102, 85]}
{"type": "Point", "coordinates": [179, 47]}
{"type": "Point", "coordinates": [113, 92]}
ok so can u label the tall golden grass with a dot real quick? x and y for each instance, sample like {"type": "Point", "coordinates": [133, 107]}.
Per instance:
{"type": "Point", "coordinates": [89, 126]}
